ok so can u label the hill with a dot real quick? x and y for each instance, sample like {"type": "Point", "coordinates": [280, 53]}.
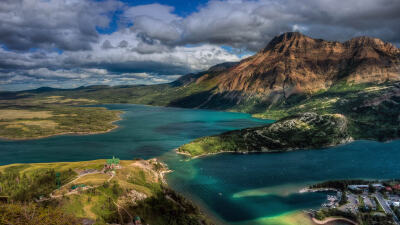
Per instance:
{"type": "Point", "coordinates": [308, 130]}
{"type": "Point", "coordinates": [91, 193]}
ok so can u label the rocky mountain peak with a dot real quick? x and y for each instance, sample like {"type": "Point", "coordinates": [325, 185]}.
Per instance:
{"type": "Point", "coordinates": [289, 40]}
{"type": "Point", "coordinates": [294, 63]}
{"type": "Point", "coordinates": [375, 43]}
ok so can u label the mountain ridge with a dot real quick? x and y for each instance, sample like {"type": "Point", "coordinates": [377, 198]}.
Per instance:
{"type": "Point", "coordinates": [294, 73]}
{"type": "Point", "coordinates": [295, 63]}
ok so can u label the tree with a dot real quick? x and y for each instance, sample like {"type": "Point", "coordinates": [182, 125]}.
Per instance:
{"type": "Point", "coordinates": [343, 200]}
{"type": "Point", "coordinates": [371, 188]}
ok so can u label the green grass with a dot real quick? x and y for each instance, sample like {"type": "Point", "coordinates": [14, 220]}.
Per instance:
{"type": "Point", "coordinates": [286, 134]}
{"type": "Point", "coordinates": [62, 119]}
{"type": "Point", "coordinates": [33, 214]}
{"type": "Point", "coordinates": [168, 207]}
{"type": "Point", "coordinates": [161, 206]}
{"type": "Point", "coordinates": [210, 145]}
{"type": "Point", "coordinates": [378, 122]}
{"type": "Point", "coordinates": [378, 206]}
{"type": "Point", "coordinates": [22, 183]}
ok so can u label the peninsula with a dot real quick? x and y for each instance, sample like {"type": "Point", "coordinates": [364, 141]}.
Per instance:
{"type": "Point", "coordinates": [23, 117]}
{"type": "Point", "coordinates": [109, 191]}
{"type": "Point", "coordinates": [307, 130]}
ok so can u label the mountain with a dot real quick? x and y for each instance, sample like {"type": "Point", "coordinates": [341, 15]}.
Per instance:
{"type": "Point", "coordinates": [293, 74]}
{"type": "Point", "coordinates": [293, 63]}
{"type": "Point", "coordinates": [353, 86]}
{"type": "Point", "coordinates": [192, 77]}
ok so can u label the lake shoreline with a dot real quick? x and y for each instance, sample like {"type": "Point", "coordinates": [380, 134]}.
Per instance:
{"type": "Point", "coordinates": [189, 156]}
{"type": "Point", "coordinates": [115, 126]}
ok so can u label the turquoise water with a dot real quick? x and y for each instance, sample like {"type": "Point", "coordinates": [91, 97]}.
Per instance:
{"type": "Point", "coordinates": [240, 188]}
{"type": "Point", "coordinates": [144, 132]}
{"type": "Point", "coordinates": [237, 189]}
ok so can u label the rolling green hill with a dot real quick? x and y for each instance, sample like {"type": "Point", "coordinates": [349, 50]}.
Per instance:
{"type": "Point", "coordinates": [74, 192]}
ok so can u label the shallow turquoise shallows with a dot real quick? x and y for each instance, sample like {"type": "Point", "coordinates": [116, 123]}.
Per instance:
{"type": "Point", "coordinates": [234, 188]}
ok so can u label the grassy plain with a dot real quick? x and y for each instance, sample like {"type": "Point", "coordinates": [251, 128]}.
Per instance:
{"type": "Point", "coordinates": [33, 117]}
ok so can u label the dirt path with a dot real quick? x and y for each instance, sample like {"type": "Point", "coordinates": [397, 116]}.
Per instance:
{"type": "Point", "coordinates": [85, 188]}
{"type": "Point", "coordinates": [79, 176]}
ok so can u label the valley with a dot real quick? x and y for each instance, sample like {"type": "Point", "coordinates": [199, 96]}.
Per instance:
{"type": "Point", "coordinates": [292, 75]}
{"type": "Point", "coordinates": [320, 94]}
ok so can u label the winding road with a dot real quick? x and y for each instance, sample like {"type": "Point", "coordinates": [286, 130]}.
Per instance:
{"type": "Point", "coordinates": [386, 207]}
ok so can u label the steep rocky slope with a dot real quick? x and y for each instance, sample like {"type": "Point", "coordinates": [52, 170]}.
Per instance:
{"type": "Point", "coordinates": [293, 63]}
{"type": "Point", "coordinates": [307, 130]}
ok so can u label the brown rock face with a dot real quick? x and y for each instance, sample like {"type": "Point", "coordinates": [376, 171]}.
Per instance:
{"type": "Point", "coordinates": [294, 63]}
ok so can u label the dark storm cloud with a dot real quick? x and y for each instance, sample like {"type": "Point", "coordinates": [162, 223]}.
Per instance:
{"type": "Point", "coordinates": [62, 24]}
{"type": "Point", "coordinates": [251, 24]}
{"type": "Point", "coordinates": [138, 67]}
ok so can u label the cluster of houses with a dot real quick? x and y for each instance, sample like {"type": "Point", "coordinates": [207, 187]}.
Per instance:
{"type": "Point", "coordinates": [377, 186]}
{"type": "Point", "coordinates": [393, 200]}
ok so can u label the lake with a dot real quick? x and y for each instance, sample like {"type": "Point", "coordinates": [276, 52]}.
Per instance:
{"type": "Point", "coordinates": [234, 188]}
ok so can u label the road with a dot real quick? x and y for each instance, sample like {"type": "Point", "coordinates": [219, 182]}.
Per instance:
{"type": "Point", "coordinates": [72, 192]}
{"type": "Point", "coordinates": [386, 207]}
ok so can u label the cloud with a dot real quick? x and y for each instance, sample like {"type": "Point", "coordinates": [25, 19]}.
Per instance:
{"type": "Point", "coordinates": [62, 24]}
{"type": "Point", "coordinates": [154, 59]}
{"type": "Point", "coordinates": [74, 78]}
{"type": "Point", "coordinates": [156, 11]}
{"type": "Point", "coordinates": [56, 42]}
{"type": "Point", "coordinates": [251, 24]}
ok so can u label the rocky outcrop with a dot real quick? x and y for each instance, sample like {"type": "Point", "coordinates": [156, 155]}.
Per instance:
{"type": "Point", "coordinates": [308, 130]}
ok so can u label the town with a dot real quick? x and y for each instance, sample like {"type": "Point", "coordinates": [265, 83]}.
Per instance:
{"type": "Point", "coordinates": [360, 202]}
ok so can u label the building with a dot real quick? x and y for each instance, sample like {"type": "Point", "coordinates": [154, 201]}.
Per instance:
{"type": "Point", "coordinates": [137, 221]}
{"type": "Point", "coordinates": [396, 204]}
{"type": "Point", "coordinates": [112, 163]}
{"type": "Point", "coordinates": [358, 187]}
{"type": "Point", "coordinates": [378, 186]}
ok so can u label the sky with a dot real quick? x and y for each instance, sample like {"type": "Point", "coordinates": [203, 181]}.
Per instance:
{"type": "Point", "coordinates": [73, 43]}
